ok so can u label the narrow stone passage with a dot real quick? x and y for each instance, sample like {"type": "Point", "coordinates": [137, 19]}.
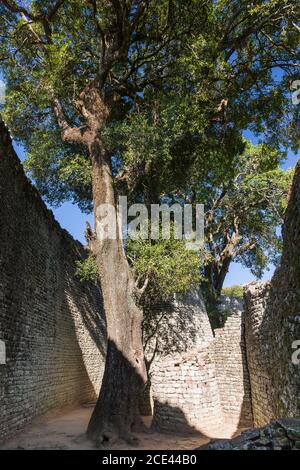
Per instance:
{"type": "Point", "coordinates": [65, 431]}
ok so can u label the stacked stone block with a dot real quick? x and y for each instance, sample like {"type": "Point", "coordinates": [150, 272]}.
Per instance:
{"type": "Point", "coordinates": [204, 383]}
{"type": "Point", "coordinates": [273, 325]}
{"type": "Point", "coordinates": [232, 371]}
{"type": "Point", "coordinates": [52, 325]}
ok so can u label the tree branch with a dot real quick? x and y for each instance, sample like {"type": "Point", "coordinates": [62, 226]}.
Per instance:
{"type": "Point", "coordinates": [215, 205]}
{"type": "Point", "coordinates": [15, 8]}
{"type": "Point", "coordinates": [142, 289]}
{"type": "Point", "coordinates": [246, 247]}
{"type": "Point", "coordinates": [68, 134]}
{"type": "Point", "coordinates": [55, 9]}
{"type": "Point", "coordinates": [43, 18]}
{"type": "Point", "coordinates": [99, 30]}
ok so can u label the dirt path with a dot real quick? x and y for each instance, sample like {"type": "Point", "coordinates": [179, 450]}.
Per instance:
{"type": "Point", "coordinates": [65, 431]}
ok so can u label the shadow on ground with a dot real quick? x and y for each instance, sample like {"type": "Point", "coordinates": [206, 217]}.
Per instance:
{"type": "Point", "coordinates": [65, 431]}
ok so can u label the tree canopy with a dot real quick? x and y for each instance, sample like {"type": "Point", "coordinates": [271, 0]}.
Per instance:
{"type": "Point", "coordinates": [184, 80]}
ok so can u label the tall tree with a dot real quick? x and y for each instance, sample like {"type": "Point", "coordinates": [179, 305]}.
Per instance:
{"type": "Point", "coordinates": [73, 67]}
{"type": "Point", "coordinates": [93, 74]}
{"type": "Point", "coordinates": [237, 76]}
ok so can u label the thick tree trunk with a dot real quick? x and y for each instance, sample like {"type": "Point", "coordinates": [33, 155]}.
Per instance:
{"type": "Point", "coordinates": [216, 276]}
{"type": "Point", "coordinates": [116, 411]}
{"type": "Point", "coordinates": [210, 274]}
{"type": "Point", "coordinates": [222, 273]}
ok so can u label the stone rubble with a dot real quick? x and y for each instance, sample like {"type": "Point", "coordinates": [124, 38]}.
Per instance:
{"type": "Point", "coordinates": [280, 434]}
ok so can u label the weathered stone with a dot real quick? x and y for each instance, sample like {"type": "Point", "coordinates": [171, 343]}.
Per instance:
{"type": "Point", "coordinates": [249, 435]}
{"type": "Point", "coordinates": [217, 444]}
{"type": "Point", "coordinates": [291, 427]}
{"type": "Point", "coordinates": [206, 379]}
{"type": "Point", "coordinates": [282, 443]}
{"type": "Point", "coordinates": [272, 312]}
{"type": "Point", "coordinates": [52, 325]}
{"type": "Point", "coordinates": [255, 439]}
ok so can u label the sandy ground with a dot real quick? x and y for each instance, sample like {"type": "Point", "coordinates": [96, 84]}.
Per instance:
{"type": "Point", "coordinates": [65, 431]}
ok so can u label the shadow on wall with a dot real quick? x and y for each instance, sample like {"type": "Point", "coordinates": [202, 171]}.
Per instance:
{"type": "Point", "coordinates": [55, 357]}
{"type": "Point", "coordinates": [52, 325]}
{"type": "Point", "coordinates": [172, 419]}
{"type": "Point", "coordinates": [273, 325]}
{"type": "Point", "coordinates": [172, 328]}
{"type": "Point", "coordinates": [206, 379]}
{"type": "Point", "coordinates": [179, 424]}
{"type": "Point", "coordinates": [52, 374]}
{"type": "Point", "coordinates": [175, 327]}
{"type": "Point", "coordinates": [112, 412]}
{"type": "Point", "coordinates": [89, 325]}
{"type": "Point", "coordinates": [232, 370]}
{"type": "Point", "coordinates": [116, 413]}
{"type": "Point", "coordinates": [246, 412]}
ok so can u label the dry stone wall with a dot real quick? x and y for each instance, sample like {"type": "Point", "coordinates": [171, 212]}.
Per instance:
{"type": "Point", "coordinates": [273, 325]}
{"type": "Point", "coordinates": [51, 325]}
{"type": "Point", "coordinates": [183, 376]}
{"type": "Point", "coordinates": [232, 370]}
{"type": "Point", "coordinates": [186, 395]}
{"type": "Point", "coordinates": [204, 382]}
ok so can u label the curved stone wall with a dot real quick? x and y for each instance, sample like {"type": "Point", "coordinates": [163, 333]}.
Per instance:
{"type": "Point", "coordinates": [203, 383]}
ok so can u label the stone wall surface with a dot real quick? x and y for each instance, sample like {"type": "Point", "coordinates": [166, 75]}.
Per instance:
{"type": "Point", "coordinates": [186, 395]}
{"type": "Point", "coordinates": [52, 326]}
{"type": "Point", "coordinates": [183, 377]}
{"type": "Point", "coordinates": [204, 382]}
{"type": "Point", "coordinates": [273, 324]}
{"type": "Point", "coordinates": [230, 303]}
{"type": "Point", "coordinates": [232, 370]}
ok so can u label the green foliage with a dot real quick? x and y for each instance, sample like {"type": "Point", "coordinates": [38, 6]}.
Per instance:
{"type": "Point", "coordinates": [233, 291]}
{"type": "Point", "coordinates": [245, 210]}
{"type": "Point", "coordinates": [185, 59]}
{"type": "Point", "coordinates": [167, 264]}
{"type": "Point", "coordinates": [86, 270]}
{"type": "Point", "coordinates": [60, 172]}
{"type": "Point", "coordinates": [182, 87]}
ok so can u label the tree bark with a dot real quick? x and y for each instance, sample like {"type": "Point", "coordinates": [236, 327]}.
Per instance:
{"type": "Point", "coordinates": [222, 273]}
{"type": "Point", "coordinates": [116, 412]}
{"type": "Point", "coordinates": [215, 274]}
